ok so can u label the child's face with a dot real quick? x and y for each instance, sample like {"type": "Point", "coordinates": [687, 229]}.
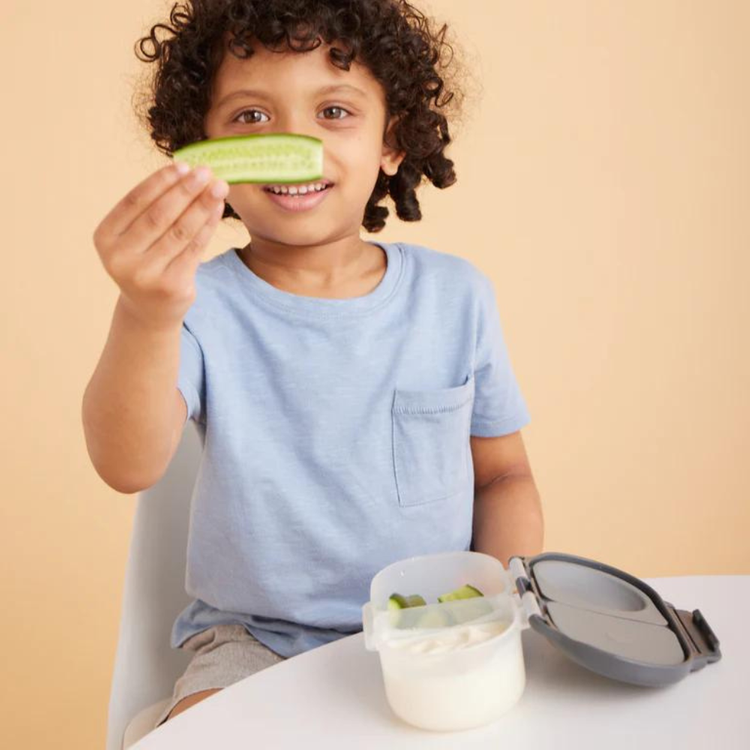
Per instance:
{"type": "Point", "coordinates": [288, 98]}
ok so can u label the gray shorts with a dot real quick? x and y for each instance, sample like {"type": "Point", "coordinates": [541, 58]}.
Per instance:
{"type": "Point", "coordinates": [224, 654]}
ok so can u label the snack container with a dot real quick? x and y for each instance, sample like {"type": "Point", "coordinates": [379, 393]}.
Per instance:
{"type": "Point", "coordinates": [434, 678]}
{"type": "Point", "coordinates": [459, 664]}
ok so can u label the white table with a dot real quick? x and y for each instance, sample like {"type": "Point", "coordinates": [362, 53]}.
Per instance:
{"type": "Point", "coordinates": [333, 697]}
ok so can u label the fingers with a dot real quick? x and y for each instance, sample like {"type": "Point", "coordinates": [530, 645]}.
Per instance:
{"type": "Point", "coordinates": [151, 241]}
{"type": "Point", "coordinates": [157, 219]}
{"type": "Point", "coordinates": [181, 233]}
{"type": "Point", "coordinates": [138, 199]}
{"type": "Point", "coordinates": [190, 256]}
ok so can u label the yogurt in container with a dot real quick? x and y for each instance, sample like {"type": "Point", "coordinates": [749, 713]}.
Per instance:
{"type": "Point", "coordinates": [448, 665]}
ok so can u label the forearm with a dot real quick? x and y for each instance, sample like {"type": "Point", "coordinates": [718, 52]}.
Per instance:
{"type": "Point", "coordinates": [128, 407]}
{"type": "Point", "coordinates": [508, 519]}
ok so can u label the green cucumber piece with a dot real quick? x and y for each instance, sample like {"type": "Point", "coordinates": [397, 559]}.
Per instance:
{"type": "Point", "coordinates": [397, 601]}
{"type": "Point", "coordinates": [400, 608]}
{"type": "Point", "coordinates": [268, 158]}
{"type": "Point", "coordinates": [465, 592]}
{"type": "Point", "coordinates": [403, 614]}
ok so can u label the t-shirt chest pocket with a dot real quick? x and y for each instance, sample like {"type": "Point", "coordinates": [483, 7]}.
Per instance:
{"type": "Point", "coordinates": [431, 449]}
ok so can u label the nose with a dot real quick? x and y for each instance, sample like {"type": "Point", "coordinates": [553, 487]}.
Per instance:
{"type": "Point", "coordinates": [293, 121]}
{"type": "Point", "coordinates": [297, 123]}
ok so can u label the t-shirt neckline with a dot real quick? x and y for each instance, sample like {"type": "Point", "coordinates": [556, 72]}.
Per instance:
{"type": "Point", "coordinates": [323, 306]}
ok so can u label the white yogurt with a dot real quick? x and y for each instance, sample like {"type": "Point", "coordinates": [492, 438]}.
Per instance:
{"type": "Point", "coordinates": [456, 678]}
{"type": "Point", "coordinates": [453, 639]}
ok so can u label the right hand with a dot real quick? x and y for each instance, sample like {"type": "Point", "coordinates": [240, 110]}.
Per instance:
{"type": "Point", "coordinates": [151, 242]}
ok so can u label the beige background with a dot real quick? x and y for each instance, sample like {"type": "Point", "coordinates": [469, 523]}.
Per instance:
{"type": "Point", "coordinates": [603, 185]}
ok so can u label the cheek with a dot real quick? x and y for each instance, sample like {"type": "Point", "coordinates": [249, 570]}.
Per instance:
{"type": "Point", "coordinates": [363, 150]}
{"type": "Point", "coordinates": [234, 195]}
{"type": "Point", "coordinates": [242, 196]}
{"type": "Point", "coordinates": [362, 162]}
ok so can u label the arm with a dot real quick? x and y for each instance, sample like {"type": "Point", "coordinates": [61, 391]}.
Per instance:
{"type": "Point", "coordinates": [508, 518]}
{"type": "Point", "coordinates": [132, 412]}
{"type": "Point", "coordinates": [150, 243]}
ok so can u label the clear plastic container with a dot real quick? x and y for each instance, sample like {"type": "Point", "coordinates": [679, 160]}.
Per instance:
{"type": "Point", "coordinates": [452, 665]}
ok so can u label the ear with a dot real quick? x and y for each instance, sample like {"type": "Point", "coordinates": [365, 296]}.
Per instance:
{"type": "Point", "coordinates": [391, 158]}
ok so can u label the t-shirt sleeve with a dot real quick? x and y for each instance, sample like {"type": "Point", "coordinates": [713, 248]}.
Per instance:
{"type": "Point", "coordinates": [190, 381]}
{"type": "Point", "coordinates": [499, 406]}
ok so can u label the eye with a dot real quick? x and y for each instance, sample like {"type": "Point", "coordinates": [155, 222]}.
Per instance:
{"type": "Point", "coordinates": [246, 111]}
{"type": "Point", "coordinates": [336, 109]}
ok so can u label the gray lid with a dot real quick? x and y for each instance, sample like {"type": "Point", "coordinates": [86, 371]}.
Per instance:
{"type": "Point", "coordinates": [611, 622]}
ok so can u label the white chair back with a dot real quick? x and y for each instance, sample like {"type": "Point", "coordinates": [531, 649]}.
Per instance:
{"type": "Point", "coordinates": [146, 667]}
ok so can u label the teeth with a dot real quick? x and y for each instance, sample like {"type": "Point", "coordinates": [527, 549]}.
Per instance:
{"type": "Point", "coordinates": [296, 189]}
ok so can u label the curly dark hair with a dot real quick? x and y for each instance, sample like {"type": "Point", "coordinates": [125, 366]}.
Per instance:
{"type": "Point", "coordinates": [411, 60]}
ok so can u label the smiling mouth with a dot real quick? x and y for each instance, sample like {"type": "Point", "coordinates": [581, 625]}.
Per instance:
{"type": "Point", "coordinates": [298, 198]}
{"type": "Point", "coordinates": [302, 188]}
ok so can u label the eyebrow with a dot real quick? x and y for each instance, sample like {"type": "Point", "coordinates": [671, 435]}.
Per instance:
{"type": "Point", "coordinates": [336, 87]}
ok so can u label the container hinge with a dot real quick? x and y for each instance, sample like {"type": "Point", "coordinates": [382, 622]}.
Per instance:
{"type": "Point", "coordinates": [518, 574]}
{"type": "Point", "coordinates": [530, 605]}
{"type": "Point", "coordinates": [524, 588]}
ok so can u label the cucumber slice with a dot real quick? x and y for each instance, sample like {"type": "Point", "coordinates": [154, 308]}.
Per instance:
{"type": "Point", "coordinates": [403, 614]}
{"type": "Point", "coordinates": [465, 592]}
{"type": "Point", "coordinates": [397, 601]}
{"type": "Point", "coordinates": [268, 158]}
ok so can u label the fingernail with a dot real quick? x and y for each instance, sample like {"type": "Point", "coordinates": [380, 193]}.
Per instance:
{"type": "Point", "coordinates": [220, 189]}
{"type": "Point", "coordinates": [181, 167]}
{"type": "Point", "coordinates": [201, 175]}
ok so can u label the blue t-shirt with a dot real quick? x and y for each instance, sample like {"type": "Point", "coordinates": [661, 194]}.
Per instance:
{"type": "Point", "coordinates": [335, 437]}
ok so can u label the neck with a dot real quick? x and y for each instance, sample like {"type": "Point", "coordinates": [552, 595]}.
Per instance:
{"type": "Point", "coordinates": [337, 268]}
